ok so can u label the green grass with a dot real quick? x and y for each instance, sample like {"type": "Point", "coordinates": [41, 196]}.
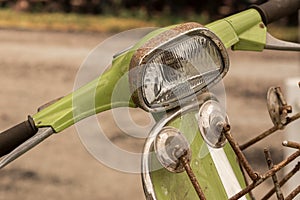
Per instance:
{"type": "Point", "coordinates": [90, 23]}
{"type": "Point", "coordinates": [68, 22]}
{"type": "Point", "coordinates": [108, 23]}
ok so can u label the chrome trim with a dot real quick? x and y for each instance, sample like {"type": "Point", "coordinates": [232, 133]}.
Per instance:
{"type": "Point", "coordinates": [143, 53]}
{"type": "Point", "coordinates": [276, 44]}
{"type": "Point", "coordinates": [225, 171]}
{"type": "Point", "coordinates": [148, 147]}
{"type": "Point", "coordinates": [41, 135]}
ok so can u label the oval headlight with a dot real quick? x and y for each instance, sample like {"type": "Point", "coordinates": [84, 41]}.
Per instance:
{"type": "Point", "coordinates": [175, 65]}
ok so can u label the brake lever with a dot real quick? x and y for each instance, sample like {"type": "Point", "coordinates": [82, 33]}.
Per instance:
{"type": "Point", "coordinates": [41, 135]}
{"type": "Point", "coordinates": [276, 44]}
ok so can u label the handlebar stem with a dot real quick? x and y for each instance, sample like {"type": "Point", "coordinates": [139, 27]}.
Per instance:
{"type": "Point", "coordinates": [242, 31]}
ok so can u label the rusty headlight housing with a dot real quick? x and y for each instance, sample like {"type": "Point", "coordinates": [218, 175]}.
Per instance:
{"type": "Point", "coordinates": [176, 64]}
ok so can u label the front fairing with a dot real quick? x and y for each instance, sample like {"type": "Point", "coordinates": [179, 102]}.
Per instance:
{"type": "Point", "coordinates": [217, 170]}
{"type": "Point", "coordinates": [242, 31]}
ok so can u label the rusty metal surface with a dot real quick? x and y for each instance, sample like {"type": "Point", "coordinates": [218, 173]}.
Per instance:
{"type": "Point", "coordinates": [186, 163]}
{"type": "Point", "coordinates": [241, 157]}
{"type": "Point", "coordinates": [268, 132]}
{"type": "Point", "coordinates": [274, 176]}
{"type": "Point", "coordinates": [291, 144]}
{"type": "Point", "coordinates": [156, 44]}
{"type": "Point", "coordinates": [293, 194]}
{"type": "Point", "coordinates": [283, 181]}
{"type": "Point", "coordinates": [278, 110]}
{"type": "Point", "coordinates": [139, 57]}
{"type": "Point", "coordinates": [266, 175]}
{"type": "Point", "coordinates": [257, 178]}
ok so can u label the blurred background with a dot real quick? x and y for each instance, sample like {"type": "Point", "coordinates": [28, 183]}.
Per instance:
{"type": "Point", "coordinates": [118, 15]}
{"type": "Point", "coordinates": [44, 42]}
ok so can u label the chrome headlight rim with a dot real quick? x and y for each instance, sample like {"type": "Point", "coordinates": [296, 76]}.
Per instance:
{"type": "Point", "coordinates": [146, 51]}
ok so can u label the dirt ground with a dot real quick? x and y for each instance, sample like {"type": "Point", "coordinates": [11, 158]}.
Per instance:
{"type": "Point", "coordinates": [39, 66]}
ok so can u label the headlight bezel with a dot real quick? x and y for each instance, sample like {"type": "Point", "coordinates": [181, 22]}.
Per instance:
{"type": "Point", "coordinates": [142, 55]}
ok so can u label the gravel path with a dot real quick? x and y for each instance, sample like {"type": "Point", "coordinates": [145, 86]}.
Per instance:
{"type": "Point", "coordinates": [39, 66]}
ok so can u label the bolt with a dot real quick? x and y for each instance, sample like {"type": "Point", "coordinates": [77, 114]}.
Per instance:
{"type": "Point", "coordinates": [261, 25]}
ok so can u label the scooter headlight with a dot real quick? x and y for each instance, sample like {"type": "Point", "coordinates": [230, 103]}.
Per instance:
{"type": "Point", "coordinates": [175, 65]}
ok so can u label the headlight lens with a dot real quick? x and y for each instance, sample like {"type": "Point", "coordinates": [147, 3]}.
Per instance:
{"type": "Point", "coordinates": [180, 70]}
{"type": "Point", "coordinates": [184, 63]}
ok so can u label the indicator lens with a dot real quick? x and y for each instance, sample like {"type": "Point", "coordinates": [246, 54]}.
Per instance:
{"type": "Point", "coordinates": [170, 144]}
{"type": "Point", "coordinates": [212, 119]}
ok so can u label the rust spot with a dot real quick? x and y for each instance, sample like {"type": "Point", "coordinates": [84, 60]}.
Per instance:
{"type": "Point", "coordinates": [141, 55]}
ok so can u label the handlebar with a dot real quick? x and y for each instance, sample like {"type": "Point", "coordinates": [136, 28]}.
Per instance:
{"type": "Point", "coordinates": [13, 137]}
{"type": "Point", "coordinates": [276, 9]}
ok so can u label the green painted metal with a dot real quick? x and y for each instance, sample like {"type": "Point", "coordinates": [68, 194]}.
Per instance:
{"type": "Point", "coordinates": [96, 96]}
{"type": "Point", "coordinates": [90, 99]}
{"type": "Point", "coordinates": [177, 186]}
{"type": "Point", "coordinates": [242, 31]}
{"type": "Point", "coordinates": [224, 31]}
{"type": "Point", "coordinates": [235, 166]}
{"type": "Point", "coordinates": [253, 39]}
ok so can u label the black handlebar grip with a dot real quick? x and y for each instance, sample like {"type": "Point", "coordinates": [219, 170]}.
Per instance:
{"type": "Point", "coordinates": [13, 137]}
{"type": "Point", "coordinates": [276, 9]}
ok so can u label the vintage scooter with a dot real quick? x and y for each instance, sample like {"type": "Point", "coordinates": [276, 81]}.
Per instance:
{"type": "Point", "coordinates": [190, 152]}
